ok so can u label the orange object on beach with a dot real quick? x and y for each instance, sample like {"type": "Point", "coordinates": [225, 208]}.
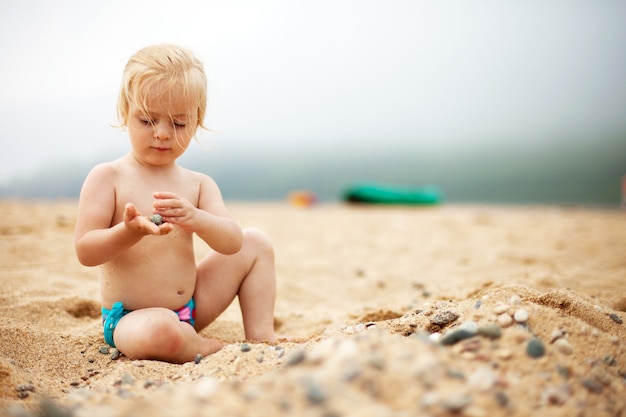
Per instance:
{"type": "Point", "coordinates": [302, 198]}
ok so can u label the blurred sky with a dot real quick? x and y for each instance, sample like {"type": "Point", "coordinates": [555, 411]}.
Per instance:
{"type": "Point", "coordinates": [325, 73]}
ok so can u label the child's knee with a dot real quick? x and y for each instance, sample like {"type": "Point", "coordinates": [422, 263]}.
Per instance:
{"type": "Point", "coordinates": [158, 337]}
{"type": "Point", "coordinates": [166, 338]}
{"type": "Point", "coordinates": [257, 239]}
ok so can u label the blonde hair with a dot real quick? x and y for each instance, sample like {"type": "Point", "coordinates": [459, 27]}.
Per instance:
{"type": "Point", "coordinates": [167, 68]}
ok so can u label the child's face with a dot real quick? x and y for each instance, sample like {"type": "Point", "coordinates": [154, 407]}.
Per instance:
{"type": "Point", "coordinates": [161, 132]}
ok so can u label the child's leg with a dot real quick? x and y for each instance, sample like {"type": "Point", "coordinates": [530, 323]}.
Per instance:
{"type": "Point", "coordinates": [249, 274]}
{"type": "Point", "coordinates": [157, 333]}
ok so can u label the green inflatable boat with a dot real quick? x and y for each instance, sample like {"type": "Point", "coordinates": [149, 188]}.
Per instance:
{"type": "Point", "coordinates": [377, 193]}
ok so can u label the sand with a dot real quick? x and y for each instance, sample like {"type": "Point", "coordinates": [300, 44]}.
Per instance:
{"type": "Point", "coordinates": [377, 296]}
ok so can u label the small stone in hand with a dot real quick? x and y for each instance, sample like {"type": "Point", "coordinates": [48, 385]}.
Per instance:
{"type": "Point", "coordinates": [156, 219]}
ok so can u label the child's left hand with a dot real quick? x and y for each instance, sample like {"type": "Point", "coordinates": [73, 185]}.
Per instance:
{"type": "Point", "coordinates": [175, 210]}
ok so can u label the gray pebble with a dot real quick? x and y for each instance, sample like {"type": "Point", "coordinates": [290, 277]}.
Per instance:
{"type": "Point", "coordinates": [315, 394]}
{"type": "Point", "coordinates": [444, 317]}
{"type": "Point", "coordinates": [503, 399]}
{"type": "Point", "coordinates": [25, 387]}
{"type": "Point", "coordinates": [127, 379]}
{"type": "Point", "coordinates": [456, 336]}
{"type": "Point", "coordinates": [245, 347]}
{"type": "Point", "coordinates": [197, 359]}
{"type": "Point", "coordinates": [609, 360]}
{"type": "Point", "coordinates": [156, 219]}
{"type": "Point", "coordinates": [122, 393]}
{"type": "Point", "coordinates": [51, 408]}
{"type": "Point", "coordinates": [592, 385]}
{"type": "Point", "coordinates": [564, 371]}
{"type": "Point", "coordinates": [616, 318]}
{"type": "Point", "coordinates": [492, 331]}
{"type": "Point", "coordinates": [115, 354]}
{"type": "Point", "coordinates": [104, 350]}
{"type": "Point", "coordinates": [535, 348]}
{"type": "Point", "coordinates": [296, 357]}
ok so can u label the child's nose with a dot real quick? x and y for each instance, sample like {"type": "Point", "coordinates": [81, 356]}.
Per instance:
{"type": "Point", "coordinates": [162, 130]}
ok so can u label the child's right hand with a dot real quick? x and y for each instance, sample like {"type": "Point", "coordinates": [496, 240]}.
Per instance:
{"type": "Point", "coordinates": [142, 224]}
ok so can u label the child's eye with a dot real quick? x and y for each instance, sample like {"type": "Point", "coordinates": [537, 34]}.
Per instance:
{"type": "Point", "coordinates": [146, 121]}
{"type": "Point", "coordinates": [179, 125]}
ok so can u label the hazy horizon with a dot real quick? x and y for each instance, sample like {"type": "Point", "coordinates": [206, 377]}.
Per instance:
{"type": "Point", "coordinates": [321, 77]}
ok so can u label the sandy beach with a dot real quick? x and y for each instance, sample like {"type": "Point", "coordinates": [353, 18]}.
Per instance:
{"type": "Point", "coordinates": [399, 311]}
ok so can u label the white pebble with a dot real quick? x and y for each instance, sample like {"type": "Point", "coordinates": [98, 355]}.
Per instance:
{"type": "Point", "coordinates": [500, 308]}
{"type": "Point", "coordinates": [515, 300]}
{"type": "Point", "coordinates": [521, 316]}
{"type": "Point", "coordinates": [504, 320]}
{"type": "Point", "coordinates": [204, 388]}
{"type": "Point", "coordinates": [564, 346]}
{"type": "Point", "coordinates": [434, 336]}
{"type": "Point", "coordinates": [556, 335]}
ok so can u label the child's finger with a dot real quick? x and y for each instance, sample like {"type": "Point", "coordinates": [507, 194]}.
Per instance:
{"type": "Point", "coordinates": [163, 195]}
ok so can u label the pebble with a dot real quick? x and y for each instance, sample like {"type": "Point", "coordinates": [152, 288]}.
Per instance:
{"type": "Point", "coordinates": [156, 219]}
{"type": "Point", "coordinates": [515, 300]}
{"type": "Point", "coordinates": [245, 347]}
{"type": "Point", "coordinates": [483, 378]}
{"type": "Point", "coordinates": [204, 388]}
{"type": "Point", "coordinates": [556, 335]}
{"type": "Point", "coordinates": [492, 331]}
{"type": "Point", "coordinates": [456, 336]}
{"type": "Point", "coordinates": [470, 326]}
{"type": "Point", "coordinates": [521, 316]}
{"type": "Point", "coordinates": [456, 402]}
{"type": "Point", "coordinates": [504, 320]}
{"type": "Point", "coordinates": [616, 318]}
{"type": "Point", "coordinates": [115, 354]}
{"type": "Point", "coordinates": [104, 350]}
{"type": "Point", "coordinates": [564, 371]}
{"type": "Point", "coordinates": [279, 351]}
{"type": "Point", "coordinates": [592, 385]}
{"type": "Point", "coordinates": [23, 390]}
{"type": "Point", "coordinates": [564, 347]}
{"type": "Point", "coordinates": [535, 348]}
{"type": "Point", "coordinates": [444, 317]}
{"type": "Point", "coordinates": [296, 357]}
{"type": "Point", "coordinates": [197, 359]}
{"type": "Point", "coordinates": [556, 395]}
{"type": "Point", "coordinates": [505, 354]}
{"type": "Point", "coordinates": [127, 379]}
{"type": "Point", "coordinates": [500, 309]}
{"type": "Point", "coordinates": [314, 393]}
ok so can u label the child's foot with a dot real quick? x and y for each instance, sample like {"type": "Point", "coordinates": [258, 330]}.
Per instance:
{"type": "Point", "coordinates": [211, 346]}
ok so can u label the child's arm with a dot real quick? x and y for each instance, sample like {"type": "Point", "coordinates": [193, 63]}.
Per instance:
{"type": "Point", "coordinates": [211, 221]}
{"type": "Point", "coordinates": [96, 241]}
